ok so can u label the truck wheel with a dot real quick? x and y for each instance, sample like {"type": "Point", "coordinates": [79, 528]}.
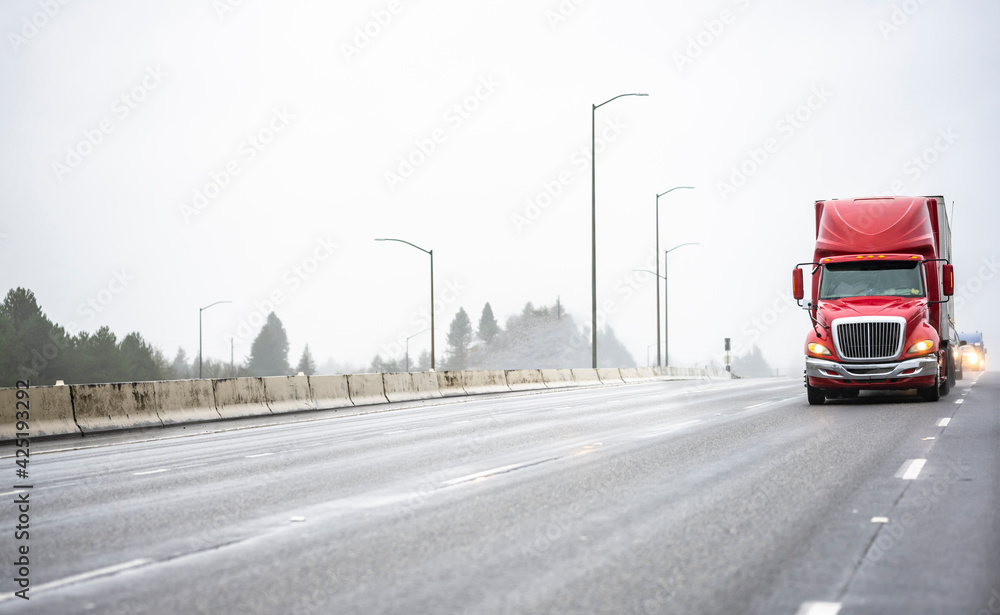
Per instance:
{"type": "Point", "coordinates": [949, 380]}
{"type": "Point", "coordinates": [816, 396]}
{"type": "Point", "coordinates": [932, 393]}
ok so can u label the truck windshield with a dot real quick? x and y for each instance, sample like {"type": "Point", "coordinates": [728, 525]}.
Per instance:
{"type": "Point", "coordinates": [868, 278]}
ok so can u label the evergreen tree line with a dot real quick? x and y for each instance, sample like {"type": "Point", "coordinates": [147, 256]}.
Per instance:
{"type": "Point", "coordinates": [537, 338]}
{"type": "Point", "coordinates": [35, 349]}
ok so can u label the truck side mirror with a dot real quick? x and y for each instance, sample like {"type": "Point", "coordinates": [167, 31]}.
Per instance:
{"type": "Point", "coordinates": [798, 290]}
{"type": "Point", "coordinates": [949, 280]}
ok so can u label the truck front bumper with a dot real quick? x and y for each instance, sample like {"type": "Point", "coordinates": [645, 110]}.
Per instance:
{"type": "Point", "coordinates": [911, 373]}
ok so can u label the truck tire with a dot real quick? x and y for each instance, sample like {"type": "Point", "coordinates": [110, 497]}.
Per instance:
{"type": "Point", "coordinates": [933, 392]}
{"type": "Point", "coordinates": [949, 380]}
{"type": "Point", "coordinates": [816, 396]}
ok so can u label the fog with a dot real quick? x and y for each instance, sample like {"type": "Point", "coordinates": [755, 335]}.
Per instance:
{"type": "Point", "coordinates": [158, 158]}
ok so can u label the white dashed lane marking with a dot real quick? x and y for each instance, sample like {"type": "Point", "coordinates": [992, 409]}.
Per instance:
{"type": "Point", "coordinates": [911, 469]}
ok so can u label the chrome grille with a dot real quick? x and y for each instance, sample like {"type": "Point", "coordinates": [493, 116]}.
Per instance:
{"type": "Point", "coordinates": [868, 339]}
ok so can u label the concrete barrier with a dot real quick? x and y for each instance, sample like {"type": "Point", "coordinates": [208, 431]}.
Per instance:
{"type": "Point", "coordinates": [426, 385]}
{"type": "Point", "coordinates": [329, 392]}
{"type": "Point", "coordinates": [288, 394]}
{"type": "Point", "coordinates": [485, 381]}
{"type": "Point", "coordinates": [185, 401]}
{"type": "Point", "coordinates": [50, 412]}
{"type": "Point", "coordinates": [450, 384]}
{"type": "Point", "coordinates": [399, 386]}
{"type": "Point", "coordinates": [586, 377]}
{"type": "Point", "coordinates": [637, 374]}
{"type": "Point", "coordinates": [558, 378]}
{"type": "Point", "coordinates": [119, 405]}
{"type": "Point", "coordinates": [62, 410]}
{"type": "Point", "coordinates": [525, 379]}
{"type": "Point", "coordinates": [239, 397]}
{"type": "Point", "coordinates": [366, 389]}
{"type": "Point", "coordinates": [609, 376]}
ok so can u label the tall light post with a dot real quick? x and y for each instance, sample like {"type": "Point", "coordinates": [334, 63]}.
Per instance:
{"type": "Point", "coordinates": [666, 316]}
{"type": "Point", "coordinates": [408, 347]}
{"type": "Point", "coordinates": [431, 254]}
{"type": "Point", "coordinates": [200, 310]}
{"type": "Point", "coordinates": [658, 276]}
{"type": "Point", "coordinates": [593, 219]}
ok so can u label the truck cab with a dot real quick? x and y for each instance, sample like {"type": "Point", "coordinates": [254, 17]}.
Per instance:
{"type": "Point", "coordinates": [879, 303]}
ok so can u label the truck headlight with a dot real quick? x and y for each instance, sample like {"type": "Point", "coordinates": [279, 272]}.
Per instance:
{"type": "Point", "coordinates": [819, 349]}
{"type": "Point", "coordinates": [921, 346]}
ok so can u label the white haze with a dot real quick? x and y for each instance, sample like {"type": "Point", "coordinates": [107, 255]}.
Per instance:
{"type": "Point", "coordinates": [895, 97]}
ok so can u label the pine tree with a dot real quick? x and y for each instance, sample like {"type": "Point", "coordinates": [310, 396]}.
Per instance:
{"type": "Point", "coordinates": [459, 339]}
{"type": "Point", "coordinates": [31, 346]}
{"type": "Point", "coordinates": [488, 328]}
{"type": "Point", "coordinates": [306, 364]}
{"type": "Point", "coordinates": [181, 368]}
{"type": "Point", "coordinates": [269, 351]}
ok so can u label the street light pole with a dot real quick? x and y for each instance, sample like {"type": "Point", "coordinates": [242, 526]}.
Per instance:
{"type": "Point", "coordinates": [200, 310]}
{"type": "Point", "coordinates": [593, 220]}
{"type": "Point", "coordinates": [408, 348]}
{"type": "Point", "coordinates": [658, 362]}
{"type": "Point", "coordinates": [666, 317]}
{"type": "Point", "coordinates": [431, 254]}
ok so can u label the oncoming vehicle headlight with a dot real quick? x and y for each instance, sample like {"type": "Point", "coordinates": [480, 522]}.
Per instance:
{"type": "Point", "coordinates": [921, 346]}
{"type": "Point", "coordinates": [819, 349]}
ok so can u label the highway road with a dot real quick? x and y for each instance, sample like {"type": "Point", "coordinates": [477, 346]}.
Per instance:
{"type": "Point", "coordinates": [660, 497]}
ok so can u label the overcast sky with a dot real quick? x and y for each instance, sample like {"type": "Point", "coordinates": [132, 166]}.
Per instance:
{"type": "Point", "coordinates": [158, 157]}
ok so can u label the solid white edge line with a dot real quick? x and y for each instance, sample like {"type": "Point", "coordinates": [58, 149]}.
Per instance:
{"type": "Point", "coordinates": [911, 469]}
{"type": "Point", "coordinates": [86, 576]}
{"type": "Point", "coordinates": [819, 608]}
{"type": "Point", "coordinates": [150, 472]}
{"type": "Point", "coordinates": [257, 455]}
{"type": "Point", "coordinates": [943, 422]}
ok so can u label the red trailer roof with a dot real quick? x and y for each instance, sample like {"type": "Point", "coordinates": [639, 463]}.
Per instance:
{"type": "Point", "coordinates": [878, 225]}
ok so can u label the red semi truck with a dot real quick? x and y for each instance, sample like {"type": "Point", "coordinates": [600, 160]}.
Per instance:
{"type": "Point", "coordinates": [880, 309]}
